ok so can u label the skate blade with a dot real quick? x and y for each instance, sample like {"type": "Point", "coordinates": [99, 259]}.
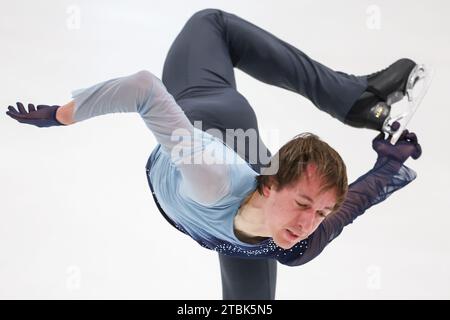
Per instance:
{"type": "Point", "coordinates": [418, 83]}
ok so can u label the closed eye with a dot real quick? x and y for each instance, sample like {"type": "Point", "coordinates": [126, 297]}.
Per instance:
{"type": "Point", "coordinates": [323, 215]}
{"type": "Point", "coordinates": [302, 205]}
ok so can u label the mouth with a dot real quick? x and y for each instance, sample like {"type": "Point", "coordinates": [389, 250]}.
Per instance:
{"type": "Point", "coordinates": [291, 235]}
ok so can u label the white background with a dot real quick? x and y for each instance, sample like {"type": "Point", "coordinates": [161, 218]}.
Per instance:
{"type": "Point", "coordinates": [76, 215]}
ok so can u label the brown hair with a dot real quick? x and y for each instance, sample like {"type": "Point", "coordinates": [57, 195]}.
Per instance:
{"type": "Point", "coordinates": [294, 157]}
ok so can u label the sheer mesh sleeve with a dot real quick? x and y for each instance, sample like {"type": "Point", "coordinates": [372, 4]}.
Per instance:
{"type": "Point", "coordinates": [375, 186]}
{"type": "Point", "coordinates": [142, 92]}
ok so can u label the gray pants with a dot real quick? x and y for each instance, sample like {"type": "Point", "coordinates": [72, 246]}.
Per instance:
{"type": "Point", "coordinates": [199, 73]}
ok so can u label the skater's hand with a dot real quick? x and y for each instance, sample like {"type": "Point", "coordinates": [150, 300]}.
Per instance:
{"type": "Point", "coordinates": [44, 116]}
{"type": "Point", "coordinates": [406, 146]}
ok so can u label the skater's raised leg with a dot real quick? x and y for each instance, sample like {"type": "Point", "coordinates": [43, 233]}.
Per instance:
{"type": "Point", "coordinates": [212, 42]}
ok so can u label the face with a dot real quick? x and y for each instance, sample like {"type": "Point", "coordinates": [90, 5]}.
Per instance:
{"type": "Point", "coordinates": [293, 213]}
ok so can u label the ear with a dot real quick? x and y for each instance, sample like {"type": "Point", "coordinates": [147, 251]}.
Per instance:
{"type": "Point", "coordinates": [269, 187]}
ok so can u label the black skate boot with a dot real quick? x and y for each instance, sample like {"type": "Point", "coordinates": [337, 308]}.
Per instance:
{"type": "Point", "coordinates": [384, 88]}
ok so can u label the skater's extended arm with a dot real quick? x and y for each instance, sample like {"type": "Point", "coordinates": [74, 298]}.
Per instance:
{"type": "Point", "coordinates": [145, 94]}
{"type": "Point", "coordinates": [388, 175]}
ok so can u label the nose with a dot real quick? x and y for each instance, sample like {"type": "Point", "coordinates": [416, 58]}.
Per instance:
{"type": "Point", "coordinates": [306, 221]}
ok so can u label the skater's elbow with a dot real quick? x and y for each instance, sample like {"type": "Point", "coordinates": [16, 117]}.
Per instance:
{"type": "Point", "coordinates": [143, 80]}
{"type": "Point", "coordinates": [139, 87]}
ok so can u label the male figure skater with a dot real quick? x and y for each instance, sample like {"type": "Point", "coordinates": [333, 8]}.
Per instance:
{"type": "Point", "coordinates": [212, 183]}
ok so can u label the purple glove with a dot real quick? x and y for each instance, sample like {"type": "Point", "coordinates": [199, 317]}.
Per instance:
{"type": "Point", "coordinates": [406, 146]}
{"type": "Point", "coordinates": [44, 116]}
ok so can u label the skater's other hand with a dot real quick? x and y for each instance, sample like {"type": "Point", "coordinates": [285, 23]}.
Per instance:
{"type": "Point", "coordinates": [43, 116]}
{"type": "Point", "coordinates": [406, 146]}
